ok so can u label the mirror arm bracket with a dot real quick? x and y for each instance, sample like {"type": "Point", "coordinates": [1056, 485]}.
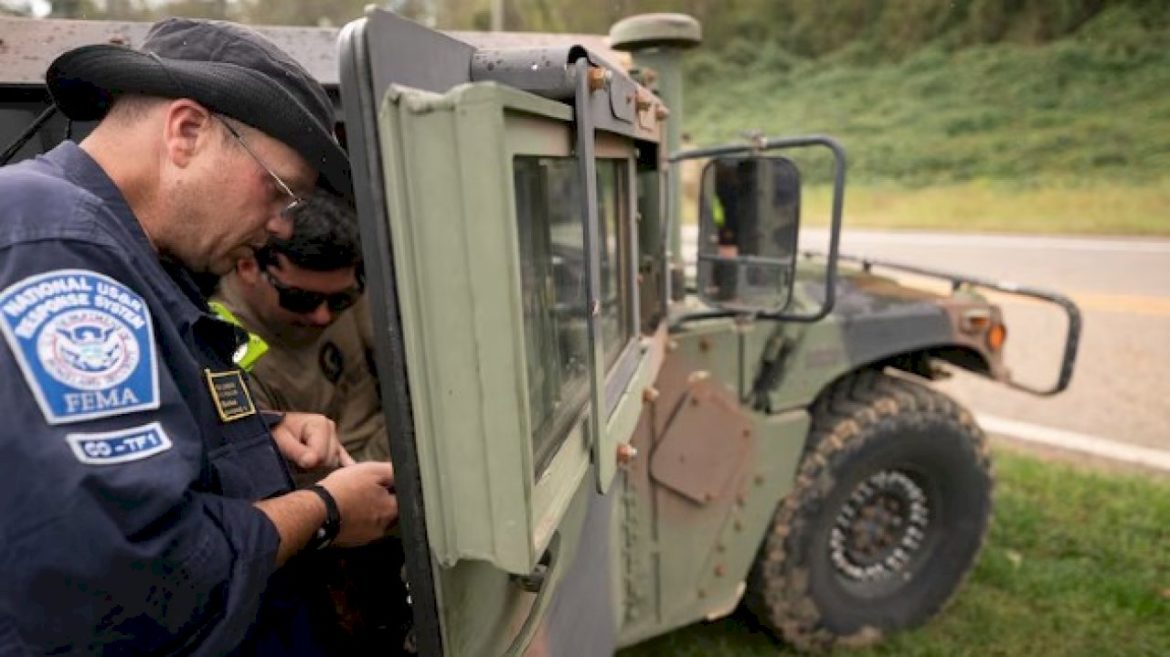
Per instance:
{"type": "Point", "coordinates": [762, 145]}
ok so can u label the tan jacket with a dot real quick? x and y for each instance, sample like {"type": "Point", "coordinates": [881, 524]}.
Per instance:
{"type": "Point", "coordinates": [333, 376]}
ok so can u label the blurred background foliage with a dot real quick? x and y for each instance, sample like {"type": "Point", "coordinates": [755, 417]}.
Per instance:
{"type": "Point", "coordinates": [887, 29]}
{"type": "Point", "coordinates": [929, 92]}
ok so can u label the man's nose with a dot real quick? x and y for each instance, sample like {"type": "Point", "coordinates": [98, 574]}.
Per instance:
{"type": "Point", "coordinates": [321, 316]}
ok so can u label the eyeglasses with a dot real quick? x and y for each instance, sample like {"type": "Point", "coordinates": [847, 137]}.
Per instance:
{"type": "Point", "coordinates": [296, 200]}
{"type": "Point", "coordinates": [300, 301]}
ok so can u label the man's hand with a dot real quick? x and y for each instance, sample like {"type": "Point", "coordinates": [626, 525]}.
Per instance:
{"type": "Point", "coordinates": [309, 441]}
{"type": "Point", "coordinates": [365, 497]}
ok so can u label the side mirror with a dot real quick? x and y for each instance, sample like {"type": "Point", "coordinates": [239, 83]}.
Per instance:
{"type": "Point", "coordinates": [749, 223]}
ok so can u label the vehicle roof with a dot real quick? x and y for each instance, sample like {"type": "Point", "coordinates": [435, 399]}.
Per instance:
{"type": "Point", "coordinates": [27, 46]}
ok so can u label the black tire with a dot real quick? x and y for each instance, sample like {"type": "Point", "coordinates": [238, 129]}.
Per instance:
{"type": "Point", "coordinates": [888, 512]}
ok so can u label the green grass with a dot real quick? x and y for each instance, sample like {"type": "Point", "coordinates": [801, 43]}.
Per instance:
{"type": "Point", "coordinates": [1100, 208]}
{"type": "Point", "coordinates": [1068, 111]}
{"type": "Point", "coordinates": [1077, 564]}
{"type": "Point", "coordinates": [1066, 136]}
{"type": "Point", "coordinates": [1135, 209]}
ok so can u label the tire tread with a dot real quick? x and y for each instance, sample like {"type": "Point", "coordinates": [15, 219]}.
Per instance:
{"type": "Point", "coordinates": [778, 591]}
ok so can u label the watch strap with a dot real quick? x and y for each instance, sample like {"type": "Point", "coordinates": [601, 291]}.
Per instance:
{"type": "Point", "coordinates": [329, 529]}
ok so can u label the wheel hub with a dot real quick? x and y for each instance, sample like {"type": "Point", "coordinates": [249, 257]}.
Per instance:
{"type": "Point", "coordinates": [880, 528]}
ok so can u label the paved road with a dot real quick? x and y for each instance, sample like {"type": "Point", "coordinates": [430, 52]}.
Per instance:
{"type": "Point", "coordinates": [1121, 390]}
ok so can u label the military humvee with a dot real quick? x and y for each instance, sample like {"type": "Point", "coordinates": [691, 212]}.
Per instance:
{"type": "Point", "coordinates": [590, 451]}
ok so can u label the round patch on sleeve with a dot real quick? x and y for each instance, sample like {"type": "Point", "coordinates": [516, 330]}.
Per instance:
{"type": "Point", "coordinates": [84, 342]}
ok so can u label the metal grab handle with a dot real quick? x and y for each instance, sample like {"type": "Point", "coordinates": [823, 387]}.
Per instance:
{"type": "Point", "coordinates": [541, 583]}
{"type": "Point", "coordinates": [1071, 343]}
{"type": "Point", "coordinates": [12, 149]}
{"type": "Point", "coordinates": [1072, 338]}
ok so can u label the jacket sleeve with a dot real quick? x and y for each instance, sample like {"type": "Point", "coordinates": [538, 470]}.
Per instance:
{"type": "Point", "coordinates": [266, 396]}
{"type": "Point", "coordinates": [108, 545]}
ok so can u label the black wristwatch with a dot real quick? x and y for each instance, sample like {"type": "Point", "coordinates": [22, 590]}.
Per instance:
{"type": "Point", "coordinates": [328, 530]}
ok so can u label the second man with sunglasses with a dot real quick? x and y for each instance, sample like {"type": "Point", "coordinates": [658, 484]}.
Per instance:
{"type": "Point", "coordinates": [303, 297]}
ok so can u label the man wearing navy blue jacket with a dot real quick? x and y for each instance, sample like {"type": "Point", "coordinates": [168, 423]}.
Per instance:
{"type": "Point", "coordinates": [147, 505]}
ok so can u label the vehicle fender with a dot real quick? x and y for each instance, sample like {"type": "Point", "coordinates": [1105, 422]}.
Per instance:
{"type": "Point", "coordinates": [876, 322]}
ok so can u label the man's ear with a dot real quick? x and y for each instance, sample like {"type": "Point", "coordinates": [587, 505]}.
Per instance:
{"type": "Point", "coordinates": [248, 270]}
{"type": "Point", "coordinates": [188, 128]}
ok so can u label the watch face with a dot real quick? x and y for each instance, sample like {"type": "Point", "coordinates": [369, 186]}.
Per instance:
{"type": "Point", "coordinates": [321, 538]}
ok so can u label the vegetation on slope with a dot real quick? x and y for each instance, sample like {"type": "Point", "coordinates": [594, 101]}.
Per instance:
{"type": "Point", "coordinates": [1086, 107]}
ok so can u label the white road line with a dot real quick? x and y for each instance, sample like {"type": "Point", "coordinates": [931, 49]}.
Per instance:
{"type": "Point", "coordinates": [1076, 442]}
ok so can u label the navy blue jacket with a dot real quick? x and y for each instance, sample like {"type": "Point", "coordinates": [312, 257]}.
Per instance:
{"type": "Point", "coordinates": [126, 516]}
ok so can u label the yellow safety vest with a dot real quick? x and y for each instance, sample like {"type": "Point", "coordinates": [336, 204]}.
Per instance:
{"type": "Point", "coordinates": [247, 354]}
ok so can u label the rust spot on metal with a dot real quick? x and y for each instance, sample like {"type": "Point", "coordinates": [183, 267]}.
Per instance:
{"type": "Point", "coordinates": [597, 78]}
{"type": "Point", "coordinates": [738, 525]}
{"type": "Point", "coordinates": [719, 547]}
{"type": "Point", "coordinates": [741, 499]}
{"type": "Point", "coordinates": [759, 480]}
{"type": "Point", "coordinates": [747, 433]}
{"type": "Point", "coordinates": [707, 430]}
{"type": "Point", "coordinates": [643, 101]}
{"type": "Point", "coordinates": [698, 376]}
{"type": "Point", "coordinates": [626, 453]}
{"type": "Point", "coordinates": [720, 570]}
{"type": "Point", "coordinates": [704, 345]}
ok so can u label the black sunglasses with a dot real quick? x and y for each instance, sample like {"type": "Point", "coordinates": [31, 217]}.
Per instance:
{"type": "Point", "coordinates": [296, 300]}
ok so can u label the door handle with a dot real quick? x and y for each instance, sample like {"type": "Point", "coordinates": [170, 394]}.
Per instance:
{"type": "Point", "coordinates": [541, 583]}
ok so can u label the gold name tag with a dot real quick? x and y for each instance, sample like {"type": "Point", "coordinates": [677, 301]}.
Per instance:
{"type": "Point", "coordinates": [230, 394]}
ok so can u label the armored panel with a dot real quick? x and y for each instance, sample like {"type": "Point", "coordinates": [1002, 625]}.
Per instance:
{"type": "Point", "coordinates": [509, 192]}
{"type": "Point", "coordinates": [468, 172]}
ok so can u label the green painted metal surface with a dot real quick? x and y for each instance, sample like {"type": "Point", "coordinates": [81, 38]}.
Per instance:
{"type": "Point", "coordinates": [657, 42]}
{"type": "Point", "coordinates": [655, 30]}
{"type": "Point", "coordinates": [449, 180]}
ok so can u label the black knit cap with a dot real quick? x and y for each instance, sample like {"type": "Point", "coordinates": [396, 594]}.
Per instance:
{"type": "Point", "coordinates": [228, 68]}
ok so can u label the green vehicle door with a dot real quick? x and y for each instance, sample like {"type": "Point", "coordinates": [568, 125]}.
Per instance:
{"type": "Point", "coordinates": [499, 194]}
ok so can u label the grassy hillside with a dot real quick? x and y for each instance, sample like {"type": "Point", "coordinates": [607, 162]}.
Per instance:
{"type": "Point", "coordinates": [1071, 134]}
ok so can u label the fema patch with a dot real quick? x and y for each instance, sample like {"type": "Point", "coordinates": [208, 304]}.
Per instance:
{"type": "Point", "coordinates": [119, 446]}
{"type": "Point", "coordinates": [84, 342]}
